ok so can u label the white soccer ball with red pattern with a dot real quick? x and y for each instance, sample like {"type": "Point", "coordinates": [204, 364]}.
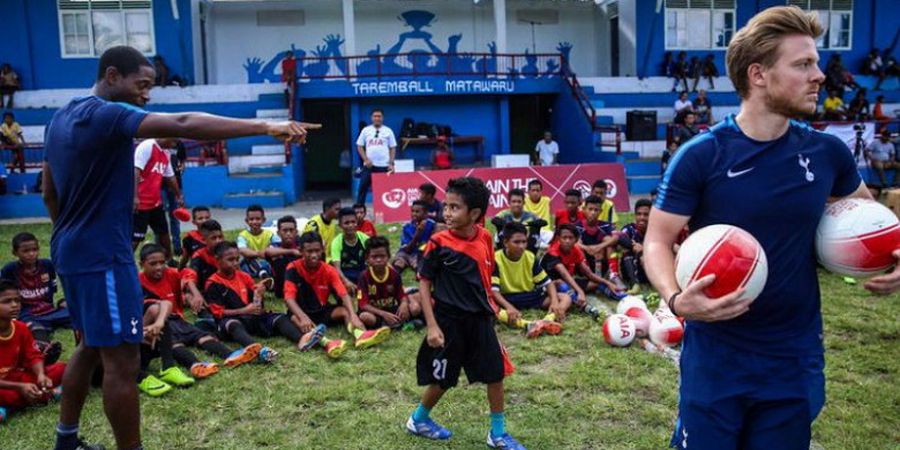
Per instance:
{"type": "Point", "coordinates": [641, 318]}
{"type": "Point", "coordinates": [732, 254]}
{"type": "Point", "coordinates": [628, 302]}
{"type": "Point", "coordinates": [666, 331]}
{"type": "Point", "coordinates": [856, 237]}
{"type": "Point", "coordinates": [618, 330]}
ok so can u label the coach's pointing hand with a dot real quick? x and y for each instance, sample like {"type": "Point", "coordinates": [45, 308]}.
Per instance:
{"type": "Point", "coordinates": [291, 131]}
{"type": "Point", "coordinates": [435, 336]}
{"type": "Point", "coordinates": [888, 283]}
{"type": "Point", "coordinates": [693, 304]}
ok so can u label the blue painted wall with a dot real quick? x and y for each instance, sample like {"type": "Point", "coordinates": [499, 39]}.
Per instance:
{"type": "Point", "coordinates": [197, 182]}
{"type": "Point", "coordinates": [32, 44]}
{"type": "Point", "coordinates": [571, 129]}
{"type": "Point", "coordinates": [874, 25]}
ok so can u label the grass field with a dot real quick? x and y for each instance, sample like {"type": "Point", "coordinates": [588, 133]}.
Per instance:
{"type": "Point", "coordinates": [570, 391]}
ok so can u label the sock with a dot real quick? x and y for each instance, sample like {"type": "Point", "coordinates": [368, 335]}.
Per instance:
{"type": "Point", "coordinates": [324, 341]}
{"type": "Point", "coordinates": [613, 265]}
{"type": "Point", "coordinates": [66, 437]}
{"type": "Point", "coordinates": [288, 329]}
{"type": "Point", "coordinates": [503, 316]}
{"type": "Point", "coordinates": [550, 316]}
{"type": "Point", "coordinates": [239, 333]}
{"type": "Point", "coordinates": [164, 346]}
{"type": "Point", "coordinates": [216, 348]}
{"type": "Point", "coordinates": [498, 424]}
{"type": "Point", "coordinates": [41, 335]}
{"type": "Point", "coordinates": [184, 357]}
{"type": "Point", "coordinates": [146, 357]}
{"type": "Point", "coordinates": [421, 413]}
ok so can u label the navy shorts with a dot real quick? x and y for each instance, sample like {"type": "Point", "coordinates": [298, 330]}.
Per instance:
{"type": "Point", "coordinates": [58, 318]}
{"type": "Point", "coordinates": [735, 399]}
{"type": "Point", "coordinates": [526, 300]}
{"type": "Point", "coordinates": [106, 307]}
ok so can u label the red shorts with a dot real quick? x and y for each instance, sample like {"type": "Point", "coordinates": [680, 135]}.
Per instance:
{"type": "Point", "coordinates": [13, 399]}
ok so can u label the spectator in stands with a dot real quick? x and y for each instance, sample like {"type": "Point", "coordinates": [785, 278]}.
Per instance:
{"type": "Point", "coordinates": [667, 65]}
{"type": "Point", "coordinates": [680, 71]}
{"type": "Point", "coordinates": [880, 154]}
{"type": "Point", "coordinates": [682, 106]}
{"type": "Point", "coordinates": [164, 76]}
{"type": "Point", "coordinates": [9, 84]}
{"type": "Point", "coordinates": [668, 153]}
{"type": "Point", "coordinates": [878, 110]}
{"type": "Point", "coordinates": [837, 77]}
{"type": "Point", "coordinates": [695, 67]}
{"type": "Point", "coordinates": [12, 137]}
{"type": "Point", "coordinates": [442, 156]}
{"type": "Point", "coordinates": [703, 108]}
{"type": "Point", "coordinates": [891, 69]}
{"type": "Point", "coordinates": [708, 70]}
{"type": "Point", "coordinates": [874, 66]}
{"type": "Point", "coordinates": [833, 107]}
{"type": "Point", "coordinates": [689, 128]}
{"type": "Point", "coordinates": [289, 68]}
{"type": "Point", "coordinates": [546, 150]}
{"type": "Point", "coordinates": [859, 107]}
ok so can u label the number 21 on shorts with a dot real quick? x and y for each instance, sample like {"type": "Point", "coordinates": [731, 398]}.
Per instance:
{"type": "Point", "coordinates": [440, 368]}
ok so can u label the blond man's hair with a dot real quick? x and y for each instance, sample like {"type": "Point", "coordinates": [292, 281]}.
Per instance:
{"type": "Point", "coordinates": [758, 41]}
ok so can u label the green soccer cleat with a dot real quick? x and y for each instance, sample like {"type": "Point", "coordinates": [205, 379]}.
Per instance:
{"type": "Point", "coordinates": [153, 386]}
{"type": "Point", "coordinates": [175, 377]}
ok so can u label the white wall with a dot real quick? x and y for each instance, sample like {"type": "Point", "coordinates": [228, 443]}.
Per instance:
{"type": "Point", "coordinates": [233, 35]}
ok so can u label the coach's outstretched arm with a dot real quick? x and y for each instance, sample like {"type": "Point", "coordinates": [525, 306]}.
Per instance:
{"type": "Point", "coordinates": [202, 126]}
{"type": "Point", "coordinates": [884, 284]}
{"type": "Point", "coordinates": [659, 263]}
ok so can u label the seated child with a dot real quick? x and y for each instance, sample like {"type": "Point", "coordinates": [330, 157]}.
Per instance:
{"type": "Point", "coordinates": [539, 204]}
{"type": "Point", "coordinates": [203, 263]}
{"type": "Point", "coordinates": [239, 315]}
{"type": "Point", "coordinates": [309, 282]}
{"type": "Point", "coordinates": [564, 261]}
{"type": "Point", "coordinates": [164, 284]}
{"type": "Point", "coordinates": [382, 298]}
{"type": "Point", "coordinates": [598, 240]}
{"type": "Point", "coordinates": [36, 280]}
{"type": "Point", "coordinates": [631, 241]}
{"type": "Point", "coordinates": [193, 241]}
{"type": "Point", "coordinates": [416, 233]}
{"type": "Point", "coordinates": [348, 250]}
{"type": "Point", "coordinates": [253, 243]}
{"type": "Point", "coordinates": [325, 224]}
{"type": "Point", "coordinates": [519, 282]}
{"type": "Point", "coordinates": [363, 224]}
{"type": "Point", "coordinates": [433, 207]}
{"type": "Point", "coordinates": [24, 381]}
{"type": "Point", "coordinates": [158, 343]}
{"type": "Point", "coordinates": [572, 212]}
{"type": "Point", "coordinates": [282, 251]}
{"type": "Point", "coordinates": [516, 213]}
{"type": "Point", "coordinates": [607, 207]}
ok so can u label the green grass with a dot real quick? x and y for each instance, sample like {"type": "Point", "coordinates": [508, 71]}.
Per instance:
{"type": "Point", "coordinates": [570, 391]}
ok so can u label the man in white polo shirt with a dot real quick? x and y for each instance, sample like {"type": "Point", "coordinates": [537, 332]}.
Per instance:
{"type": "Point", "coordinates": [376, 145]}
{"type": "Point", "coordinates": [547, 149]}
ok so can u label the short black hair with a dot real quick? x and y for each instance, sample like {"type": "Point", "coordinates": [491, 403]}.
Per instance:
{"type": "Point", "coordinates": [535, 182]}
{"type": "Point", "coordinates": [516, 192]}
{"type": "Point", "coordinates": [360, 205]}
{"type": "Point", "coordinates": [126, 60]}
{"type": "Point", "coordinates": [209, 226]}
{"type": "Point", "coordinates": [641, 203]}
{"type": "Point", "coordinates": [22, 238]}
{"type": "Point", "coordinates": [377, 110]}
{"type": "Point", "coordinates": [601, 183]}
{"type": "Point", "coordinates": [378, 242]}
{"type": "Point", "coordinates": [256, 208]}
{"type": "Point", "coordinates": [309, 237]}
{"type": "Point", "coordinates": [7, 285]}
{"type": "Point", "coordinates": [567, 227]}
{"type": "Point", "coordinates": [286, 219]}
{"type": "Point", "coordinates": [9, 114]}
{"type": "Point", "coordinates": [149, 249]}
{"type": "Point", "coordinates": [593, 200]}
{"type": "Point", "coordinates": [329, 202]}
{"type": "Point", "coordinates": [428, 188]}
{"type": "Point", "coordinates": [512, 228]}
{"type": "Point", "coordinates": [199, 209]}
{"type": "Point", "coordinates": [573, 193]}
{"type": "Point", "coordinates": [346, 211]}
{"type": "Point", "coordinates": [419, 203]}
{"type": "Point", "coordinates": [473, 191]}
{"type": "Point", "coordinates": [222, 247]}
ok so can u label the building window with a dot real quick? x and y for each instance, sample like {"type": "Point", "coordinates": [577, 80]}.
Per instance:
{"type": "Point", "coordinates": [836, 16]}
{"type": "Point", "coordinates": [699, 24]}
{"type": "Point", "coordinates": [89, 27]}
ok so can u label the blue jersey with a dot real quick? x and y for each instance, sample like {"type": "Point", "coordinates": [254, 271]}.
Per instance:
{"type": "Point", "coordinates": [90, 148]}
{"type": "Point", "coordinates": [777, 191]}
{"type": "Point", "coordinates": [409, 232]}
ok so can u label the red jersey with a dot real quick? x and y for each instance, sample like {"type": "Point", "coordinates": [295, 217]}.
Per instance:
{"type": "Point", "coordinates": [570, 260]}
{"type": "Point", "coordinates": [234, 292]}
{"type": "Point", "coordinates": [311, 289]}
{"type": "Point", "coordinates": [562, 216]}
{"type": "Point", "coordinates": [288, 69]}
{"type": "Point", "coordinates": [202, 266]}
{"type": "Point", "coordinates": [460, 270]}
{"type": "Point", "coordinates": [18, 351]}
{"type": "Point", "coordinates": [386, 293]}
{"type": "Point", "coordinates": [367, 227]}
{"type": "Point", "coordinates": [168, 288]}
{"type": "Point", "coordinates": [192, 242]}
{"type": "Point", "coordinates": [154, 164]}
{"type": "Point", "coordinates": [442, 159]}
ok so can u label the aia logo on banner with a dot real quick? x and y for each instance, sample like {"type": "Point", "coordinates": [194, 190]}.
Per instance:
{"type": "Point", "coordinates": [394, 198]}
{"type": "Point", "coordinates": [159, 167]}
{"type": "Point", "coordinates": [585, 188]}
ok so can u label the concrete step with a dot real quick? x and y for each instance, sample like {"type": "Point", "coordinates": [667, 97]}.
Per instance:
{"type": "Point", "coordinates": [646, 149]}
{"type": "Point", "coordinates": [268, 199]}
{"type": "Point", "coordinates": [279, 113]}
{"type": "Point", "coordinates": [267, 149]}
{"type": "Point", "coordinates": [266, 169]}
{"type": "Point", "coordinates": [242, 163]}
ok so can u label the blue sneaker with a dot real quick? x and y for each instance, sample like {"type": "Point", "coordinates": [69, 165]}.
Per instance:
{"type": "Point", "coordinates": [266, 355]}
{"type": "Point", "coordinates": [609, 293]}
{"type": "Point", "coordinates": [427, 429]}
{"type": "Point", "coordinates": [311, 339]}
{"type": "Point", "coordinates": [505, 442]}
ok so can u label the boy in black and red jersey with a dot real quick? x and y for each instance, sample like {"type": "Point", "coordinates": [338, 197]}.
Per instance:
{"type": "Point", "coordinates": [194, 241]}
{"type": "Point", "coordinates": [381, 296]}
{"type": "Point", "coordinates": [456, 273]}
{"type": "Point", "coordinates": [237, 304]}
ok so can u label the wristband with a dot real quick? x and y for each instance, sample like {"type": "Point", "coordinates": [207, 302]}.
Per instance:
{"type": "Point", "coordinates": [671, 302]}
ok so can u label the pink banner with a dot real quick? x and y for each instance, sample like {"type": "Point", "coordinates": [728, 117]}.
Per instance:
{"type": "Point", "coordinates": [393, 194]}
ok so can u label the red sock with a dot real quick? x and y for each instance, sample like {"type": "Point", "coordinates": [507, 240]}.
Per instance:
{"type": "Point", "coordinates": [614, 265]}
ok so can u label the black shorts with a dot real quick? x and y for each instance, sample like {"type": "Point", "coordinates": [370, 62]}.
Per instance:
{"type": "Point", "coordinates": [323, 316]}
{"type": "Point", "coordinates": [185, 333]}
{"type": "Point", "coordinates": [261, 326]}
{"type": "Point", "coordinates": [470, 343]}
{"type": "Point", "coordinates": [155, 218]}
{"type": "Point", "coordinates": [379, 322]}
